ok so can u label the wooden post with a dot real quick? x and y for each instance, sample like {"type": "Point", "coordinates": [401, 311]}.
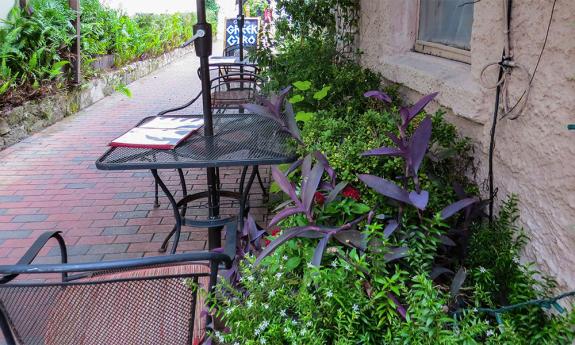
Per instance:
{"type": "Point", "coordinates": [76, 57]}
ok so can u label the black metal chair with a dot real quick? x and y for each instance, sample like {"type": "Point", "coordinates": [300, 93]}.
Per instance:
{"type": "Point", "coordinates": [233, 50]}
{"type": "Point", "coordinates": [152, 300]}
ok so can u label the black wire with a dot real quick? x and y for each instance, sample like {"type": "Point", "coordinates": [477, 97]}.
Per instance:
{"type": "Point", "coordinates": [538, 60]}
{"type": "Point", "coordinates": [494, 121]}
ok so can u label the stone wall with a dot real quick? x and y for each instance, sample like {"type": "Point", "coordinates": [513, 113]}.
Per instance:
{"type": "Point", "coordinates": [20, 122]}
{"type": "Point", "coordinates": [535, 154]}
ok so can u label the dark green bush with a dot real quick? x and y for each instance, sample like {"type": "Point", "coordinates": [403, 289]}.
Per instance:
{"type": "Point", "coordinates": [35, 43]}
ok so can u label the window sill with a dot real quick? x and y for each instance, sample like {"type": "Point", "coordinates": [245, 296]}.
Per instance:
{"type": "Point", "coordinates": [425, 74]}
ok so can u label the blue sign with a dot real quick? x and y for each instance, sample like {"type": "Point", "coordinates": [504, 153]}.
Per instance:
{"type": "Point", "coordinates": [250, 31]}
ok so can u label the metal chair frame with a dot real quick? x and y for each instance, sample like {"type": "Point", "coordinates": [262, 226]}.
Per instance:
{"type": "Point", "coordinates": [73, 273]}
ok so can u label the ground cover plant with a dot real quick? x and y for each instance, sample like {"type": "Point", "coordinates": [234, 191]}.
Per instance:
{"type": "Point", "coordinates": [35, 43]}
{"type": "Point", "coordinates": [341, 268]}
{"type": "Point", "coordinates": [381, 237]}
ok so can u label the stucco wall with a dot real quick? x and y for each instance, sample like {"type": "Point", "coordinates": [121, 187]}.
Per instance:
{"type": "Point", "coordinates": [535, 154]}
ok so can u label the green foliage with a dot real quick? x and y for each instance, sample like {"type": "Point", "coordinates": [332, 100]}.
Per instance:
{"type": "Point", "coordinates": [35, 44]}
{"type": "Point", "coordinates": [499, 278]}
{"type": "Point", "coordinates": [33, 47]}
{"type": "Point", "coordinates": [343, 139]}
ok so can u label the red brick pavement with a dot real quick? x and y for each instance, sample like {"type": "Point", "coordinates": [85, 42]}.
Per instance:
{"type": "Point", "coordinates": [49, 181]}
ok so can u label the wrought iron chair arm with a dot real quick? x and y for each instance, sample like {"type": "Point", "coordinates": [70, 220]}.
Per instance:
{"type": "Point", "coordinates": [35, 249]}
{"type": "Point", "coordinates": [183, 106]}
{"type": "Point", "coordinates": [226, 257]}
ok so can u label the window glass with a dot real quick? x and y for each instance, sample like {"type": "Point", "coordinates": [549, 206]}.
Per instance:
{"type": "Point", "coordinates": [446, 22]}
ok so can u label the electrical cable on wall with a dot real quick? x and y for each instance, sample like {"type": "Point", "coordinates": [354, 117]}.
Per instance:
{"type": "Point", "coordinates": [506, 66]}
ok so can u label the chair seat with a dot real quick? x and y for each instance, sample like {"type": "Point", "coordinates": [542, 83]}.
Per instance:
{"type": "Point", "coordinates": [120, 311]}
{"type": "Point", "coordinates": [231, 97]}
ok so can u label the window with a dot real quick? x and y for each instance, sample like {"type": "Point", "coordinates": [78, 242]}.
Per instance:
{"type": "Point", "coordinates": [445, 28]}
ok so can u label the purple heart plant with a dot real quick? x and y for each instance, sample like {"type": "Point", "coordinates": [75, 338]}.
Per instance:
{"type": "Point", "coordinates": [412, 149]}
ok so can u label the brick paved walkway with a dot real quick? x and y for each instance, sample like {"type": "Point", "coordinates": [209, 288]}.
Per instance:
{"type": "Point", "coordinates": [49, 181]}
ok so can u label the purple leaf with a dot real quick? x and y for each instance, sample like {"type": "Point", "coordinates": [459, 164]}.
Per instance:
{"type": "Point", "coordinates": [407, 114]}
{"type": "Point", "coordinates": [395, 139]}
{"type": "Point", "coordinates": [285, 213]}
{"type": "Point", "coordinates": [309, 186]}
{"type": "Point", "coordinates": [335, 191]}
{"type": "Point", "coordinates": [380, 95]}
{"type": "Point", "coordinates": [439, 270]}
{"type": "Point", "coordinates": [384, 151]}
{"type": "Point", "coordinates": [352, 238]}
{"type": "Point", "coordinates": [457, 206]}
{"type": "Point", "coordinates": [285, 185]}
{"type": "Point", "coordinates": [419, 200]}
{"type": "Point", "coordinates": [323, 160]}
{"type": "Point", "coordinates": [294, 166]}
{"type": "Point", "coordinates": [318, 253]}
{"type": "Point", "coordinates": [385, 187]}
{"type": "Point", "coordinates": [398, 306]}
{"type": "Point", "coordinates": [291, 123]}
{"type": "Point", "coordinates": [261, 110]}
{"type": "Point", "coordinates": [278, 100]}
{"type": "Point", "coordinates": [458, 282]}
{"type": "Point", "coordinates": [390, 228]}
{"type": "Point", "coordinates": [396, 254]}
{"type": "Point", "coordinates": [418, 144]}
{"type": "Point", "coordinates": [282, 238]}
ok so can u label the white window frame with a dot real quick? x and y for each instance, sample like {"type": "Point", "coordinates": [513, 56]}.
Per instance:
{"type": "Point", "coordinates": [441, 50]}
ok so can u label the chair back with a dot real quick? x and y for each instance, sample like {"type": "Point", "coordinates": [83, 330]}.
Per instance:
{"type": "Point", "coordinates": [137, 301]}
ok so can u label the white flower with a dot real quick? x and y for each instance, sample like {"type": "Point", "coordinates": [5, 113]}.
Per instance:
{"type": "Point", "coordinates": [262, 340]}
{"type": "Point", "coordinates": [347, 267]}
{"type": "Point", "coordinates": [308, 323]}
{"type": "Point", "coordinates": [236, 343]}
{"type": "Point", "coordinates": [257, 332]}
{"type": "Point", "coordinates": [220, 337]}
{"type": "Point", "coordinates": [286, 330]}
{"type": "Point", "coordinates": [285, 257]}
{"type": "Point", "coordinates": [303, 330]}
{"type": "Point", "coordinates": [251, 278]}
{"type": "Point", "coordinates": [490, 333]}
{"type": "Point", "coordinates": [249, 304]}
{"type": "Point", "coordinates": [263, 325]}
{"type": "Point", "coordinates": [272, 293]}
{"type": "Point", "coordinates": [329, 293]}
{"type": "Point", "coordinates": [281, 267]}
{"type": "Point", "coordinates": [355, 308]}
{"type": "Point", "coordinates": [283, 313]}
{"type": "Point", "coordinates": [266, 306]}
{"type": "Point", "coordinates": [293, 322]}
{"type": "Point", "coordinates": [313, 297]}
{"type": "Point", "coordinates": [310, 265]}
{"type": "Point", "coordinates": [278, 275]}
{"type": "Point", "coordinates": [334, 264]}
{"type": "Point", "coordinates": [516, 260]}
{"type": "Point", "coordinates": [482, 269]}
{"type": "Point", "coordinates": [475, 310]}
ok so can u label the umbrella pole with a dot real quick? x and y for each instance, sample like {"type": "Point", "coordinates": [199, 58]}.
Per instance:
{"type": "Point", "coordinates": [203, 51]}
{"type": "Point", "coordinates": [241, 18]}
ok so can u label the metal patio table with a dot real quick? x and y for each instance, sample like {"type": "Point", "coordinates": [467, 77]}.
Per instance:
{"type": "Point", "coordinates": [238, 140]}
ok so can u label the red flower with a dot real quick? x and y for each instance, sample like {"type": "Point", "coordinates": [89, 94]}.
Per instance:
{"type": "Point", "coordinates": [276, 231]}
{"type": "Point", "coordinates": [273, 233]}
{"type": "Point", "coordinates": [319, 198]}
{"type": "Point", "coordinates": [352, 193]}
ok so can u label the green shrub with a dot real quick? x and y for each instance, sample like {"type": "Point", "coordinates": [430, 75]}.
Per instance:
{"type": "Point", "coordinates": [35, 43]}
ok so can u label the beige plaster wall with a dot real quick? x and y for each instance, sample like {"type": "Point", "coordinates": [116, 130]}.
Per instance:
{"type": "Point", "coordinates": [5, 7]}
{"type": "Point", "coordinates": [535, 154]}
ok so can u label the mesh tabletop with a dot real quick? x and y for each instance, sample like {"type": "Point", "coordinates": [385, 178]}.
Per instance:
{"type": "Point", "coordinates": [239, 140]}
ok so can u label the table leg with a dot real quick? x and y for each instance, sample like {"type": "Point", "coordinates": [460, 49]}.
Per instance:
{"type": "Point", "coordinates": [245, 192]}
{"type": "Point", "coordinates": [214, 234]}
{"type": "Point", "coordinates": [178, 227]}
